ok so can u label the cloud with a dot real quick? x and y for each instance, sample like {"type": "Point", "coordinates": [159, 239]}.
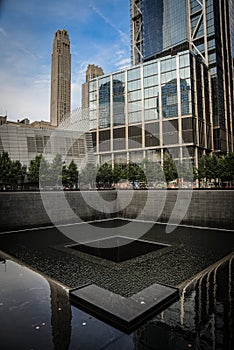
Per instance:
{"type": "Point", "coordinates": [26, 36]}
{"type": "Point", "coordinates": [123, 36]}
{"type": "Point", "coordinates": [31, 102]}
{"type": "Point", "coordinates": [3, 32]}
{"type": "Point", "coordinates": [124, 63]}
{"type": "Point", "coordinates": [42, 79]}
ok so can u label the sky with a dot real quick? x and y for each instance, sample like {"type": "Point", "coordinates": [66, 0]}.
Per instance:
{"type": "Point", "coordinates": [99, 32]}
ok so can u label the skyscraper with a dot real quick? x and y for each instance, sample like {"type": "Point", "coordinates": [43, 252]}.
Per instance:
{"type": "Point", "coordinates": [60, 104]}
{"type": "Point", "coordinates": [205, 27]}
{"type": "Point", "coordinates": [177, 96]}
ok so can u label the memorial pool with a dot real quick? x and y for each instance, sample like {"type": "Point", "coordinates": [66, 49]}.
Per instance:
{"type": "Point", "coordinates": [38, 270]}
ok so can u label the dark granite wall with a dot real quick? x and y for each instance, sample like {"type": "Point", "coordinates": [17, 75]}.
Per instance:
{"type": "Point", "coordinates": [207, 208]}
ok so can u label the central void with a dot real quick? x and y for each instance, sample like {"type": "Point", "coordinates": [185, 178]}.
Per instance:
{"type": "Point", "coordinates": [117, 248]}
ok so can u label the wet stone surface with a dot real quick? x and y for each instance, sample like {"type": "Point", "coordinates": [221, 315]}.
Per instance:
{"type": "Point", "coordinates": [190, 250]}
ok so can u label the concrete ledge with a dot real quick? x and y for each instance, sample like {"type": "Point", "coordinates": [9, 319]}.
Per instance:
{"type": "Point", "coordinates": [123, 313]}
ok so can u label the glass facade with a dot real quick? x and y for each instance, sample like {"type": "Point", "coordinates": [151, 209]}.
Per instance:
{"type": "Point", "coordinates": [179, 94]}
{"type": "Point", "coordinates": [104, 102]}
{"type": "Point", "coordinates": [212, 37]}
{"type": "Point", "coordinates": [118, 99]}
{"type": "Point", "coordinates": [152, 107]}
{"type": "Point", "coordinates": [232, 24]}
{"type": "Point", "coordinates": [164, 25]}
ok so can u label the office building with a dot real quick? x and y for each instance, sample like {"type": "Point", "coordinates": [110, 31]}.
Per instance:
{"type": "Point", "coordinates": [178, 95]}
{"type": "Point", "coordinates": [205, 27]}
{"type": "Point", "coordinates": [60, 104]}
{"type": "Point", "coordinates": [162, 105]}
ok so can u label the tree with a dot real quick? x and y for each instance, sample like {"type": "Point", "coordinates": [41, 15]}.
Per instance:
{"type": "Point", "coordinates": [44, 172]}
{"type": "Point", "coordinates": [200, 171]}
{"type": "Point", "coordinates": [185, 171]}
{"type": "Point", "coordinates": [169, 168]}
{"type": "Point", "coordinates": [226, 166]}
{"type": "Point", "coordinates": [12, 173]}
{"type": "Point", "coordinates": [117, 173]}
{"type": "Point", "coordinates": [133, 172]}
{"type": "Point", "coordinates": [152, 170]}
{"type": "Point", "coordinates": [210, 168]}
{"type": "Point", "coordinates": [88, 175]}
{"type": "Point", "coordinates": [70, 175]}
{"type": "Point", "coordinates": [5, 163]}
{"type": "Point", "coordinates": [16, 174]}
{"type": "Point", "coordinates": [55, 171]}
{"type": "Point", "coordinates": [34, 170]}
{"type": "Point", "coordinates": [105, 175]}
{"type": "Point", "coordinates": [140, 174]}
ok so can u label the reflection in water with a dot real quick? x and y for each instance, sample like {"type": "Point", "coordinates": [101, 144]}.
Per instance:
{"type": "Point", "coordinates": [202, 319]}
{"type": "Point", "coordinates": [39, 315]}
{"type": "Point", "coordinates": [60, 317]}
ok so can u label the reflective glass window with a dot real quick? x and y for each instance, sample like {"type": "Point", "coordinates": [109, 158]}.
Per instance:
{"type": "Point", "coordinates": [104, 102]}
{"type": "Point", "coordinates": [134, 106]}
{"type": "Point", "coordinates": [135, 117]}
{"type": "Point", "coordinates": [118, 86]}
{"type": "Point", "coordinates": [185, 93]}
{"type": "Point", "coordinates": [166, 77]}
{"type": "Point", "coordinates": [151, 114]}
{"type": "Point", "coordinates": [152, 135]}
{"type": "Point", "coordinates": [169, 99]}
{"type": "Point", "coordinates": [167, 65]}
{"type": "Point", "coordinates": [134, 137]}
{"type": "Point", "coordinates": [134, 96]}
{"type": "Point", "coordinates": [92, 96]}
{"type": "Point", "coordinates": [184, 60]}
{"type": "Point", "coordinates": [93, 124]}
{"type": "Point", "coordinates": [104, 140]}
{"type": "Point", "coordinates": [92, 105]}
{"type": "Point", "coordinates": [151, 103]}
{"type": "Point", "coordinates": [150, 69]}
{"type": "Point", "coordinates": [151, 92]}
{"type": "Point", "coordinates": [164, 25]}
{"type": "Point", "coordinates": [93, 85]}
{"type": "Point", "coordinates": [134, 85]}
{"type": "Point", "coordinates": [136, 157]}
{"type": "Point", "coordinates": [150, 81]}
{"type": "Point", "coordinates": [119, 139]}
{"type": "Point", "coordinates": [134, 74]}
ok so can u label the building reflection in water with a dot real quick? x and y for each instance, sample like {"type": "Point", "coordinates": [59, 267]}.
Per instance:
{"type": "Point", "coordinates": [201, 319]}
{"type": "Point", "coordinates": [60, 317]}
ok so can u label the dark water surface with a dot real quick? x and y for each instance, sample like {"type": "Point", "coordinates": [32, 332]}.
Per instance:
{"type": "Point", "coordinates": [36, 312]}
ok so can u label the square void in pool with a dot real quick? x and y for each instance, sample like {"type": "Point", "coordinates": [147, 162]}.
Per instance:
{"type": "Point", "coordinates": [117, 248]}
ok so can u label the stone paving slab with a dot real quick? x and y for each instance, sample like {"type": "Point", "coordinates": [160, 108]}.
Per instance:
{"type": "Point", "coordinates": [124, 313]}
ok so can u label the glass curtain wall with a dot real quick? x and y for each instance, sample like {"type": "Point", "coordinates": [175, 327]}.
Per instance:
{"type": "Point", "coordinates": [118, 99]}
{"type": "Point", "coordinates": [163, 103]}
{"type": "Point", "coordinates": [164, 25]}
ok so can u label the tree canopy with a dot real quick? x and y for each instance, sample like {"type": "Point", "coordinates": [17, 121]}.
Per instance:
{"type": "Point", "coordinates": [13, 174]}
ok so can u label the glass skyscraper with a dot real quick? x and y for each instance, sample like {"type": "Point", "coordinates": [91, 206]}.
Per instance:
{"type": "Point", "coordinates": [177, 96]}
{"type": "Point", "coordinates": [164, 25]}
{"type": "Point", "coordinates": [149, 109]}
{"type": "Point", "coordinates": [161, 27]}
